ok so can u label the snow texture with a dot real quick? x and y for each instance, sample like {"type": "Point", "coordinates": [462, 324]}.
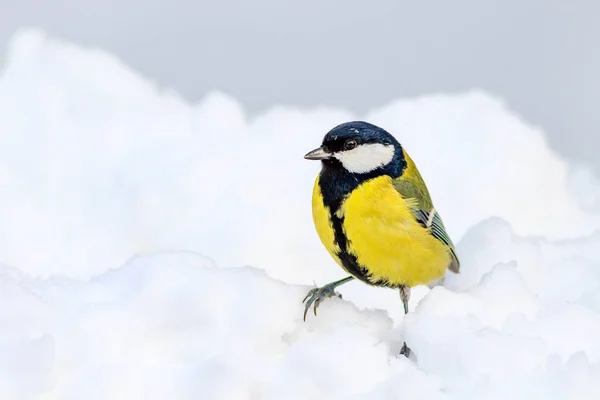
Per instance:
{"type": "Point", "coordinates": [116, 193]}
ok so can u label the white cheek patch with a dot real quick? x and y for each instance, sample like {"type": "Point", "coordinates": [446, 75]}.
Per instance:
{"type": "Point", "coordinates": [366, 157]}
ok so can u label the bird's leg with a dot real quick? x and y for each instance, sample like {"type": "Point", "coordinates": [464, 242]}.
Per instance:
{"type": "Point", "coordinates": [405, 295]}
{"type": "Point", "coordinates": [317, 295]}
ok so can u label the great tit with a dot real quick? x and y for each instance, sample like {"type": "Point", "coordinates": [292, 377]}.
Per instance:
{"type": "Point", "coordinates": [374, 215]}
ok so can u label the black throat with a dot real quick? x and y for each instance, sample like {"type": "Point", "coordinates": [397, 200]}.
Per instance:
{"type": "Point", "coordinates": [336, 182]}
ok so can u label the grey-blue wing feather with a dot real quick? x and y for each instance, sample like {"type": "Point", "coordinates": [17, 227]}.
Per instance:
{"type": "Point", "coordinates": [433, 221]}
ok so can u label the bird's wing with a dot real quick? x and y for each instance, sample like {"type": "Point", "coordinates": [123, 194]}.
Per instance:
{"type": "Point", "coordinates": [433, 220]}
{"type": "Point", "coordinates": [411, 186]}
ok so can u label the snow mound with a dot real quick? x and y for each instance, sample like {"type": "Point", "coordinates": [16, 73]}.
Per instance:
{"type": "Point", "coordinates": [524, 324]}
{"type": "Point", "coordinates": [113, 188]}
{"type": "Point", "coordinates": [173, 325]}
{"type": "Point", "coordinates": [522, 321]}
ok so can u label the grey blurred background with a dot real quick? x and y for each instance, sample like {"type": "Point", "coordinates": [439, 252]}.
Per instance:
{"type": "Point", "coordinates": [541, 56]}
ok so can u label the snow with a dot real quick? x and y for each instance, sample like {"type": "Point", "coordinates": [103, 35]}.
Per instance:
{"type": "Point", "coordinates": [153, 248]}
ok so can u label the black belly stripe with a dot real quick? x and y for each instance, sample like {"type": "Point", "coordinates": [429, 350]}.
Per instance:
{"type": "Point", "coordinates": [349, 260]}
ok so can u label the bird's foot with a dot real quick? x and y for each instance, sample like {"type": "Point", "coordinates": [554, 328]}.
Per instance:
{"type": "Point", "coordinates": [405, 350]}
{"type": "Point", "coordinates": [317, 295]}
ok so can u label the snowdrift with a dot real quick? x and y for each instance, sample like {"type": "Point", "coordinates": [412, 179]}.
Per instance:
{"type": "Point", "coordinates": [116, 193]}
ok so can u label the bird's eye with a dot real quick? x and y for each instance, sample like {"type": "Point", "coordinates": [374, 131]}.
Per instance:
{"type": "Point", "coordinates": [350, 144]}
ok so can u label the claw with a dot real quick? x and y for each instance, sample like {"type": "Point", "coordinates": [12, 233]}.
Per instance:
{"type": "Point", "coordinates": [316, 296]}
{"type": "Point", "coordinates": [310, 293]}
{"type": "Point", "coordinates": [405, 350]}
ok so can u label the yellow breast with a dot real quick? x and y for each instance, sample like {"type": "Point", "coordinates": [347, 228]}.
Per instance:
{"type": "Point", "coordinates": [383, 235]}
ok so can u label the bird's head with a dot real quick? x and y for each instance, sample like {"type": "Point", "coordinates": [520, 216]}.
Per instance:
{"type": "Point", "coordinates": [360, 148]}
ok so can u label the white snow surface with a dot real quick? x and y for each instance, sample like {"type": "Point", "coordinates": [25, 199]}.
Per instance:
{"type": "Point", "coordinates": [156, 249]}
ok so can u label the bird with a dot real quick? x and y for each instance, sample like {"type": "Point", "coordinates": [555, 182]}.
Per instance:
{"type": "Point", "coordinates": [374, 215]}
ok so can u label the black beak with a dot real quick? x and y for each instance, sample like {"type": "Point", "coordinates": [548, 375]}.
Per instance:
{"type": "Point", "coordinates": [318, 154]}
